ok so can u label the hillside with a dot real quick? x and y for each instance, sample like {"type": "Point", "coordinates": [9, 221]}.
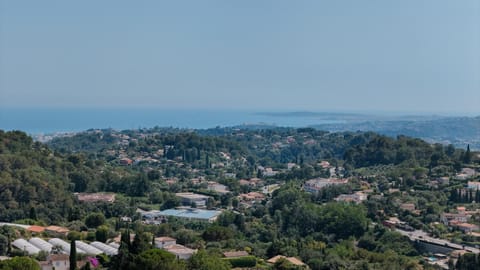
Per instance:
{"type": "Point", "coordinates": [459, 131]}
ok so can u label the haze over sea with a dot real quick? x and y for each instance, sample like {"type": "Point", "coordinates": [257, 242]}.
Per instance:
{"type": "Point", "coordinates": [44, 121]}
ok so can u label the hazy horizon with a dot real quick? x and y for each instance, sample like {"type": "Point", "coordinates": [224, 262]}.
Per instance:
{"type": "Point", "coordinates": [406, 57]}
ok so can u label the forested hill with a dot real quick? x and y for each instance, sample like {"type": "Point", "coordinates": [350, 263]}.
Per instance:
{"type": "Point", "coordinates": [36, 183]}
{"type": "Point", "coordinates": [458, 131]}
{"type": "Point", "coordinates": [267, 147]}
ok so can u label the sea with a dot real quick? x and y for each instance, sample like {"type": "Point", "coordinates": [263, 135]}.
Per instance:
{"type": "Point", "coordinates": [36, 121]}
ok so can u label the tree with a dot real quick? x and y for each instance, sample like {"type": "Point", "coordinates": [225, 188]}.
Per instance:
{"type": "Point", "coordinates": [124, 259]}
{"type": "Point", "coordinates": [467, 158]}
{"type": "Point", "coordinates": [284, 264]}
{"type": "Point", "coordinates": [141, 242]}
{"type": "Point", "coordinates": [468, 261]}
{"type": "Point", "coordinates": [33, 213]}
{"type": "Point", "coordinates": [153, 259]}
{"type": "Point", "coordinates": [73, 255]}
{"type": "Point", "coordinates": [203, 261]}
{"type": "Point", "coordinates": [101, 234]}
{"type": "Point", "coordinates": [94, 220]}
{"type": "Point", "coordinates": [3, 245]}
{"type": "Point", "coordinates": [23, 263]}
{"type": "Point", "coordinates": [217, 233]}
{"type": "Point", "coordinates": [86, 266]}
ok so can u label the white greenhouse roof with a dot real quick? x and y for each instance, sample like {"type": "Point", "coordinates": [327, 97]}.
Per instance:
{"type": "Point", "coordinates": [64, 245]}
{"type": "Point", "coordinates": [90, 250]}
{"type": "Point", "coordinates": [24, 245]}
{"type": "Point", "coordinates": [115, 245]}
{"type": "Point", "coordinates": [41, 244]}
{"type": "Point", "coordinates": [109, 250]}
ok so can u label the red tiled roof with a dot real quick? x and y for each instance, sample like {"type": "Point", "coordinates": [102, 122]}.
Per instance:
{"type": "Point", "coordinates": [35, 228]}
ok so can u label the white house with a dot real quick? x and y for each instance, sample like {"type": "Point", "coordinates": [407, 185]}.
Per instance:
{"type": "Point", "coordinates": [162, 242]}
{"type": "Point", "coordinates": [181, 252]}
{"type": "Point", "coordinates": [57, 262]}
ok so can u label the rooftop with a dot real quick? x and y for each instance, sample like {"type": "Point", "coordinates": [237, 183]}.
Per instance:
{"type": "Point", "coordinates": [190, 195]}
{"type": "Point", "coordinates": [191, 213]}
{"type": "Point", "coordinates": [58, 257]}
{"type": "Point", "coordinates": [292, 260]}
{"type": "Point", "coordinates": [235, 254]}
{"type": "Point", "coordinates": [56, 229]}
{"type": "Point", "coordinates": [95, 197]}
{"type": "Point", "coordinates": [165, 239]}
{"type": "Point", "coordinates": [35, 228]}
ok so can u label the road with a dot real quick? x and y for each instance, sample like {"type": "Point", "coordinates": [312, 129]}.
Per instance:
{"type": "Point", "coordinates": [423, 236]}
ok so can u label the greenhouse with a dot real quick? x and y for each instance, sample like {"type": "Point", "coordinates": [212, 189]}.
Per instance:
{"type": "Point", "coordinates": [114, 245]}
{"type": "Point", "coordinates": [24, 245]}
{"type": "Point", "coordinates": [109, 250]}
{"type": "Point", "coordinates": [41, 244]}
{"type": "Point", "coordinates": [90, 250]}
{"type": "Point", "coordinates": [64, 246]}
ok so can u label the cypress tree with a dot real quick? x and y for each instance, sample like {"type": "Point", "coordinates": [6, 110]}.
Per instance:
{"type": "Point", "coordinates": [33, 213]}
{"type": "Point", "coordinates": [468, 155]}
{"type": "Point", "coordinates": [73, 255]}
{"type": "Point", "coordinates": [87, 266]}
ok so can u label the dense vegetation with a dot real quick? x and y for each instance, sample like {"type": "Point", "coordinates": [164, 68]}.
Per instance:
{"type": "Point", "coordinates": [38, 182]}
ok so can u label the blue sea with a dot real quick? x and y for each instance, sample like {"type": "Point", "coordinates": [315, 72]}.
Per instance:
{"type": "Point", "coordinates": [46, 121]}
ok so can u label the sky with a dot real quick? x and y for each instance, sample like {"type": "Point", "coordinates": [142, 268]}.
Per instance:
{"type": "Point", "coordinates": [338, 55]}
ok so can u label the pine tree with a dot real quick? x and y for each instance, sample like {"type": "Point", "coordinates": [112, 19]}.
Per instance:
{"type": "Point", "coordinates": [73, 255]}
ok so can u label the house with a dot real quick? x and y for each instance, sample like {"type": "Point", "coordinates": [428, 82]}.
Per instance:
{"type": "Point", "coordinates": [235, 254]}
{"type": "Point", "coordinates": [34, 229]}
{"type": "Point", "coordinates": [189, 198]}
{"type": "Point", "coordinates": [158, 217]}
{"type": "Point", "coordinates": [324, 164]}
{"type": "Point", "coordinates": [315, 185]}
{"type": "Point", "coordinates": [469, 172]}
{"type": "Point", "coordinates": [125, 161]}
{"type": "Point", "coordinates": [253, 182]}
{"type": "Point", "coordinates": [291, 165]}
{"type": "Point", "coordinates": [269, 172]}
{"type": "Point", "coordinates": [448, 218]}
{"type": "Point", "coordinates": [125, 219]}
{"type": "Point", "coordinates": [467, 227]}
{"type": "Point", "coordinates": [394, 222]}
{"type": "Point", "coordinates": [270, 188]}
{"type": "Point", "coordinates": [292, 260]}
{"type": "Point", "coordinates": [57, 262]}
{"type": "Point", "coordinates": [356, 197]}
{"type": "Point", "coordinates": [408, 207]}
{"type": "Point", "coordinates": [181, 252]}
{"type": "Point", "coordinates": [57, 231]}
{"type": "Point", "coordinates": [219, 188]}
{"type": "Point", "coordinates": [95, 197]}
{"type": "Point", "coordinates": [443, 180]}
{"type": "Point", "coordinates": [475, 185]}
{"type": "Point", "coordinates": [252, 197]}
{"type": "Point", "coordinates": [162, 242]}
{"type": "Point", "coordinates": [244, 182]}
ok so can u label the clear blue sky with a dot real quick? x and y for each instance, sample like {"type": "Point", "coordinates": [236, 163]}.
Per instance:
{"type": "Point", "coordinates": [409, 55]}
